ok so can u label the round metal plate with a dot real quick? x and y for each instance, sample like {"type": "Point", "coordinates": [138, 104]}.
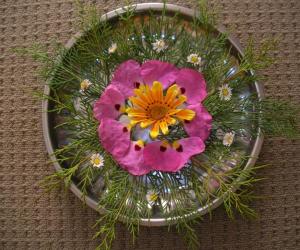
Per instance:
{"type": "Point", "coordinates": [251, 145]}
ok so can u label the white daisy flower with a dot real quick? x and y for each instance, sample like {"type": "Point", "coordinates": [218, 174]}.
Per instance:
{"type": "Point", "coordinates": [112, 48]}
{"type": "Point", "coordinates": [97, 160]}
{"type": "Point", "coordinates": [159, 45]}
{"type": "Point", "coordinates": [194, 59]}
{"type": "Point", "coordinates": [228, 139]}
{"type": "Point", "coordinates": [151, 197]}
{"type": "Point", "coordinates": [225, 92]}
{"type": "Point", "coordinates": [84, 85]}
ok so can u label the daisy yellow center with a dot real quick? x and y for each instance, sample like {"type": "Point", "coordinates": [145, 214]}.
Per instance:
{"type": "Point", "coordinates": [151, 107]}
{"type": "Point", "coordinates": [194, 59]}
{"type": "Point", "coordinates": [160, 44]}
{"type": "Point", "coordinates": [153, 197]}
{"type": "Point", "coordinates": [225, 92]}
{"type": "Point", "coordinates": [97, 161]}
{"type": "Point", "coordinates": [84, 85]}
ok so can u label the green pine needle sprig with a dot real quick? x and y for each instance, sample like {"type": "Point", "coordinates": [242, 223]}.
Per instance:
{"type": "Point", "coordinates": [123, 196]}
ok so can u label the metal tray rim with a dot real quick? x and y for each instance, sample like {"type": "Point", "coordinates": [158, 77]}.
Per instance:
{"type": "Point", "coordinates": [45, 117]}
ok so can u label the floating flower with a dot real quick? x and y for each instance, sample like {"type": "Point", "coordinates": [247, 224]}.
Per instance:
{"type": "Point", "coordinates": [151, 197]}
{"type": "Point", "coordinates": [84, 85]}
{"type": "Point", "coordinates": [228, 139]}
{"type": "Point", "coordinates": [141, 104]}
{"type": "Point", "coordinates": [225, 92]}
{"type": "Point", "coordinates": [159, 45]}
{"type": "Point", "coordinates": [194, 59]}
{"type": "Point", "coordinates": [97, 160]}
{"type": "Point", "coordinates": [112, 49]}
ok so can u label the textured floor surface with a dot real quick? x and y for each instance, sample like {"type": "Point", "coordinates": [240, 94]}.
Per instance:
{"type": "Point", "coordinates": [31, 219]}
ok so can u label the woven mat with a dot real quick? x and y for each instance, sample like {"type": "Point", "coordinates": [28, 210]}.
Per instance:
{"type": "Point", "coordinates": [32, 219]}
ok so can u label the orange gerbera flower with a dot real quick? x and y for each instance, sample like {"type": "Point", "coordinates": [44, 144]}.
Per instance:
{"type": "Point", "coordinates": [151, 107]}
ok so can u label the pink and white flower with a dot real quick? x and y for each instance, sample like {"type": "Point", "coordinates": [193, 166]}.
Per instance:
{"type": "Point", "coordinates": [143, 102]}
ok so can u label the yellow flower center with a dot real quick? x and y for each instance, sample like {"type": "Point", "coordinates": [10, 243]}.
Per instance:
{"type": "Point", "coordinates": [225, 92]}
{"type": "Point", "coordinates": [84, 84]}
{"type": "Point", "coordinates": [152, 107]}
{"type": "Point", "coordinates": [153, 197]}
{"type": "Point", "coordinates": [194, 59]}
{"type": "Point", "coordinates": [97, 161]}
{"type": "Point", "coordinates": [158, 112]}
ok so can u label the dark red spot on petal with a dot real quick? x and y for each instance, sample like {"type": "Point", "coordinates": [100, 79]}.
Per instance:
{"type": "Point", "coordinates": [187, 121]}
{"type": "Point", "coordinates": [179, 149]}
{"type": "Point", "coordinates": [117, 107]}
{"type": "Point", "coordinates": [136, 85]}
{"type": "Point", "coordinates": [162, 148]}
{"type": "Point", "coordinates": [125, 129]}
{"type": "Point", "coordinates": [137, 147]}
{"type": "Point", "coordinates": [182, 90]}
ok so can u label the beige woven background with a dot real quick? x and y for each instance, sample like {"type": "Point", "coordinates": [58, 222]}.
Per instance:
{"type": "Point", "coordinates": [31, 219]}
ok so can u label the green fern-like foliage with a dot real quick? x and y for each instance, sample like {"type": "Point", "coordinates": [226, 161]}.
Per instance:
{"type": "Point", "coordinates": [124, 196]}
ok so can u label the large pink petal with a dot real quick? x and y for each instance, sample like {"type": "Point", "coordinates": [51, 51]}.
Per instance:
{"type": "Point", "coordinates": [155, 70]}
{"type": "Point", "coordinates": [126, 76]}
{"type": "Point", "coordinates": [168, 160]}
{"type": "Point", "coordinates": [108, 104]}
{"type": "Point", "coordinates": [192, 85]}
{"type": "Point", "coordinates": [201, 124]}
{"type": "Point", "coordinates": [133, 162]}
{"type": "Point", "coordinates": [189, 147]}
{"type": "Point", "coordinates": [114, 137]}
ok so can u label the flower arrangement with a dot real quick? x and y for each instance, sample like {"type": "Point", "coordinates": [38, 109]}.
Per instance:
{"type": "Point", "coordinates": [145, 101]}
{"type": "Point", "coordinates": [154, 117]}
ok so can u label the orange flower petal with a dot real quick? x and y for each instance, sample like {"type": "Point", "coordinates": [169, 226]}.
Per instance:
{"type": "Point", "coordinates": [170, 120]}
{"type": "Point", "coordinates": [172, 92]}
{"type": "Point", "coordinates": [155, 130]}
{"type": "Point", "coordinates": [140, 93]}
{"type": "Point", "coordinates": [173, 111]}
{"type": "Point", "coordinates": [185, 114]}
{"type": "Point", "coordinates": [138, 102]}
{"type": "Point", "coordinates": [157, 91]}
{"type": "Point", "coordinates": [164, 127]}
{"type": "Point", "coordinates": [146, 123]}
{"type": "Point", "coordinates": [177, 102]}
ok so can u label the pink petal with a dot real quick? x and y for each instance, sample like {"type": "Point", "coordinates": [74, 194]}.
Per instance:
{"type": "Point", "coordinates": [133, 162]}
{"type": "Point", "coordinates": [167, 161]}
{"type": "Point", "coordinates": [155, 70]}
{"type": "Point", "coordinates": [126, 76]}
{"type": "Point", "coordinates": [172, 160]}
{"type": "Point", "coordinates": [114, 138]}
{"type": "Point", "coordinates": [189, 146]}
{"type": "Point", "coordinates": [200, 126]}
{"type": "Point", "coordinates": [192, 85]}
{"type": "Point", "coordinates": [108, 104]}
